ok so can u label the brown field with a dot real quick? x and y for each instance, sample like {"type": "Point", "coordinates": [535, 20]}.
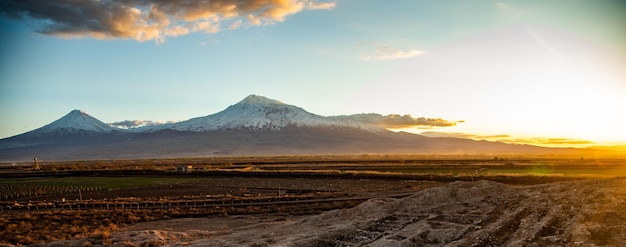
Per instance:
{"type": "Point", "coordinates": [234, 201]}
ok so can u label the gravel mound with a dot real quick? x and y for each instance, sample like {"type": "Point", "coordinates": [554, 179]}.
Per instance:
{"type": "Point", "coordinates": [482, 213]}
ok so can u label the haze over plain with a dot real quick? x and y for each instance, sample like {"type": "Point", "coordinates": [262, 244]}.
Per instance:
{"type": "Point", "coordinates": [512, 70]}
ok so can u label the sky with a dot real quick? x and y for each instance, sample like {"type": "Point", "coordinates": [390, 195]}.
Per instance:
{"type": "Point", "coordinates": [541, 72]}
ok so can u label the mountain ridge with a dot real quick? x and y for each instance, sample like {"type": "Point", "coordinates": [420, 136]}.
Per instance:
{"type": "Point", "coordinates": [254, 126]}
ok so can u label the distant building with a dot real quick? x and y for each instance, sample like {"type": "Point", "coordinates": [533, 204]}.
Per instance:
{"type": "Point", "coordinates": [184, 168]}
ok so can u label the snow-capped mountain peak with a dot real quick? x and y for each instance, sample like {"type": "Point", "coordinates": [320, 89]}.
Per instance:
{"type": "Point", "coordinates": [260, 113]}
{"type": "Point", "coordinates": [77, 121]}
{"type": "Point", "coordinates": [255, 105]}
{"type": "Point", "coordinates": [259, 101]}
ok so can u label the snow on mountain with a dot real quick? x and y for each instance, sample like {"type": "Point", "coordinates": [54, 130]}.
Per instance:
{"type": "Point", "coordinates": [134, 124]}
{"type": "Point", "coordinates": [261, 113]}
{"type": "Point", "coordinates": [75, 122]}
{"type": "Point", "coordinates": [78, 120]}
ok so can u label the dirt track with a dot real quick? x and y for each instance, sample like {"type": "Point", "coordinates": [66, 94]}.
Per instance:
{"type": "Point", "coordinates": [483, 213]}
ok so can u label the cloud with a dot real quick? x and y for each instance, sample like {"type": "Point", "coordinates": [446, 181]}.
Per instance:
{"type": "Point", "coordinates": [508, 10]}
{"type": "Point", "coordinates": [539, 141]}
{"type": "Point", "coordinates": [556, 141]}
{"type": "Point", "coordinates": [462, 135]}
{"type": "Point", "coordinates": [543, 43]}
{"type": "Point", "coordinates": [397, 121]}
{"type": "Point", "coordinates": [504, 8]}
{"type": "Point", "coordinates": [313, 5]}
{"type": "Point", "coordinates": [144, 20]}
{"type": "Point", "coordinates": [324, 51]}
{"type": "Point", "coordinates": [384, 52]}
{"type": "Point", "coordinates": [235, 25]}
{"type": "Point", "coordinates": [130, 124]}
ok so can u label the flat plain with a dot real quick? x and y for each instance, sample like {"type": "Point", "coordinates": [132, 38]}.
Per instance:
{"type": "Point", "coordinates": [316, 201]}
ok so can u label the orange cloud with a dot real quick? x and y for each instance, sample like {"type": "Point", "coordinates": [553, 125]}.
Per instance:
{"type": "Point", "coordinates": [144, 20]}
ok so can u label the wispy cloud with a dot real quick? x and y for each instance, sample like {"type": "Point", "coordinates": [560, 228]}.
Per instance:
{"type": "Point", "coordinates": [543, 43]}
{"type": "Point", "coordinates": [397, 121]}
{"type": "Point", "coordinates": [384, 52]}
{"type": "Point", "coordinates": [506, 9]}
{"type": "Point", "coordinates": [503, 7]}
{"type": "Point", "coordinates": [235, 25]}
{"type": "Point", "coordinates": [145, 20]}
{"type": "Point", "coordinates": [313, 5]}
{"type": "Point", "coordinates": [324, 51]}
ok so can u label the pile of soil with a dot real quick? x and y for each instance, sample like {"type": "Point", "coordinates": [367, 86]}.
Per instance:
{"type": "Point", "coordinates": [482, 213]}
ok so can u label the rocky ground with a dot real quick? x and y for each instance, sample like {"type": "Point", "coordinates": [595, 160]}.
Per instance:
{"type": "Point", "coordinates": [482, 213]}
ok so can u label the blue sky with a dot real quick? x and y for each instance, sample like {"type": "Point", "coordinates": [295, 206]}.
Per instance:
{"type": "Point", "coordinates": [512, 70]}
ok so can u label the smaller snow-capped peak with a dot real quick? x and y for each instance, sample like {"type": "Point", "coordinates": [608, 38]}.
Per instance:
{"type": "Point", "coordinates": [77, 121]}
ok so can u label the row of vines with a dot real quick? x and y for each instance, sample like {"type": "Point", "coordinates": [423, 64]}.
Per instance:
{"type": "Point", "coordinates": [17, 191]}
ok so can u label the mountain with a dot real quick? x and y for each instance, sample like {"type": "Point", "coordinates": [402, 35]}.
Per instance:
{"type": "Point", "coordinates": [76, 129]}
{"type": "Point", "coordinates": [76, 126]}
{"type": "Point", "coordinates": [255, 126]}
{"type": "Point", "coordinates": [261, 113]}
{"type": "Point", "coordinates": [76, 122]}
